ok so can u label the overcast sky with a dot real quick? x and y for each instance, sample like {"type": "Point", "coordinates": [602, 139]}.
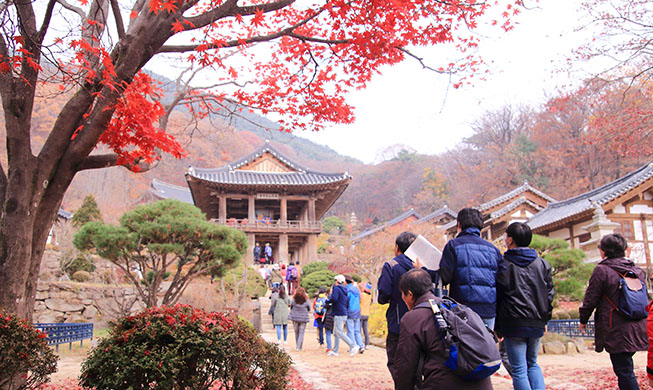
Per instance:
{"type": "Point", "coordinates": [411, 106]}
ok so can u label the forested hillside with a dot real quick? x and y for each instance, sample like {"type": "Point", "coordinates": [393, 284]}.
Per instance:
{"type": "Point", "coordinates": [568, 146]}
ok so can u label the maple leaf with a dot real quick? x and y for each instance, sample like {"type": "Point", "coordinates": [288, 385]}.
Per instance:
{"type": "Point", "coordinates": [257, 20]}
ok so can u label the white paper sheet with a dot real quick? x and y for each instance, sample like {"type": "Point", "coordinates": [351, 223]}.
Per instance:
{"type": "Point", "coordinates": [427, 253]}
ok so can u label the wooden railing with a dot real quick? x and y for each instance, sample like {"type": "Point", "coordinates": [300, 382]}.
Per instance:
{"type": "Point", "coordinates": [271, 225]}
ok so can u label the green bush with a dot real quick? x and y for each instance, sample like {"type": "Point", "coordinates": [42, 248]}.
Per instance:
{"type": "Point", "coordinates": [24, 351]}
{"type": "Point", "coordinates": [82, 262]}
{"type": "Point", "coordinates": [255, 286]}
{"type": "Point", "coordinates": [81, 276]}
{"type": "Point", "coordinates": [314, 267]}
{"type": "Point", "coordinates": [184, 348]}
{"type": "Point", "coordinates": [315, 280]}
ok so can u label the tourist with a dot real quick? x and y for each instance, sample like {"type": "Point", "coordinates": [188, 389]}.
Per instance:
{"type": "Point", "coordinates": [524, 306]}
{"type": "Point", "coordinates": [319, 312]}
{"type": "Point", "coordinates": [283, 271]}
{"type": "Point", "coordinates": [268, 253]}
{"type": "Point", "coordinates": [649, 330]}
{"type": "Point", "coordinates": [328, 327]}
{"type": "Point", "coordinates": [299, 309]}
{"type": "Point", "coordinates": [292, 274]}
{"type": "Point", "coordinates": [258, 251]}
{"type": "Point", "coordinates": [354, 314]}
{"type": "Point", "coordinates": [419, 333]}
{"type": "Point", "coordinates": [275, 276]}
{"type": "Point", "coordinates": [620, 336]}
{"type": "Point", "coordinates": [366, 303]}
{"type": "Point", "coordinates": [340, 304]}
{"type": "Point", "coordinates": [469, 265]}
{"type": "Point", "coordinates": [280, 310]}
{"type": "Point", "coordinates": [389, 292]}
{"type": "Point", "coordinates": [274, 292]}
{"type": "Point", "coordinates": [265, 274]}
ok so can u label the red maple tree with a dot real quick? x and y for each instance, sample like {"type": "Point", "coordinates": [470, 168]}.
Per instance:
{"type": "Point", "coordinates": [296, 58]}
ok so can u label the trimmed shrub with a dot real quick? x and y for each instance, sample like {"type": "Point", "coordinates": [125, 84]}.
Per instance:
{"type": "Point", "coordinates": [315, 280]}
{"type": "Point", "coordinates": [26, 361]}
{"type": "Point", "coordinates": [81, 276]}
{"type": "Point", "coordinates": [184, 348]}
{"type": "Point", "coordinates": [255, 286]}
{"type": "Point", "coordinates": [81, 263]}
{"type": "Point", "coordinates": [314, 267]}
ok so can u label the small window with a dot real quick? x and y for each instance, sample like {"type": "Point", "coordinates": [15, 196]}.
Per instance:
{"type": "Point", "coordinates": [584, 237]}
{"type": "Point", "coordinates": [626, 230]}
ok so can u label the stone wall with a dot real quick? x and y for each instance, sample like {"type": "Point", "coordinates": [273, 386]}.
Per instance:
{"type": "Point", "coordinates": [82, 302]}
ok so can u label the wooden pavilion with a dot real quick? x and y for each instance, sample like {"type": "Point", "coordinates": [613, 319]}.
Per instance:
{"type": "Point", "coordinates": [270, 198]}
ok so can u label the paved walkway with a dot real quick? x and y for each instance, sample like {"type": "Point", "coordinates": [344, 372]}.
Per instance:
{"type": "Point", "coordinates": [368, 371]}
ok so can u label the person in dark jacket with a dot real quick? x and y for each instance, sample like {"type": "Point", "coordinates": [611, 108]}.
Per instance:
{"type": "Point", "coordinates": [388, 287]}
{"type": "Point", "coordinates": [621, 337]}
{"type": "Point", "coordinates": [524, 306]}
{"type": "Point", "coordinates": [339, 304]}
{"type": "Point", "coordinates": [419, 333]}
{"type": "Point", "coordinates": [470, 265]}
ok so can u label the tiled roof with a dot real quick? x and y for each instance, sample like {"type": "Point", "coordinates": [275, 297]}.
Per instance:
{"type": "Point", "coordinates": [230, 174]}
{"type": "Point", "coordinates": [590, 200]}
{"type": "Point", "coordinates": [439, 212]}
{"type": "Point", "coordinates": [391, 222]}
{"type": "Point", "coordinates": [165, 190]}
{"type": "Point", "coordinates": [513, 205]}
{"type": "Point", "coordinates": [519, 190]}
{"type": "Point", "coordinates": [61, 213]}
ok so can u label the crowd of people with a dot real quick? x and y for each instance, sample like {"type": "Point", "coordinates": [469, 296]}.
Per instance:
{"type": "Point", "coordinates": [511, 294]}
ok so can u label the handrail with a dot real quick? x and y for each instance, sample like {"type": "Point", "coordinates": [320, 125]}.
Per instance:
{"type": "Point", "coordinates": [268, 224]}
{"type": "Point", "coordinates": [570, 328]}
{"type": "Point", "coordinates": [61, 333]}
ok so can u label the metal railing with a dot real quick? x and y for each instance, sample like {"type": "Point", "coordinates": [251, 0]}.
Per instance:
{"type": "Point", "coordinates": [269, 224]}
{"type": "Point", "coordinates": [570, 328]}
{"type": "Point", "coordinates": [61, 333]}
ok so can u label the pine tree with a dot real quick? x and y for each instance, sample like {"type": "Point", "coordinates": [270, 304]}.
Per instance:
{"type": "Point", "coordinates": [87, 212]}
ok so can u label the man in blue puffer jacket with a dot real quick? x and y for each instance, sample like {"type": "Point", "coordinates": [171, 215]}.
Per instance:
{"type": "Point", "coordinates": [470, 265]}
{"type": "Point", "coordinates": [388, 287]}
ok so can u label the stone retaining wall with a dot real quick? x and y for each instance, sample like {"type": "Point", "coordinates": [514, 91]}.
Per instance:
{"type": "Point", "coordinates": [81, 302]}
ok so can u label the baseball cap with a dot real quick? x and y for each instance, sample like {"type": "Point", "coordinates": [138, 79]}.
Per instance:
{"type": "Point", "coordinates": [340, 278]}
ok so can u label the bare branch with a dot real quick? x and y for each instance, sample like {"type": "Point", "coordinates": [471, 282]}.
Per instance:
{"type": "Point", "coordinates": [72, 8]}
{"type": "Point", "coordinates": [120, 25]}
{"type": "Point", "coordinates": [46, 20]}
{"type": "Point", "coordinates": [420, 60]}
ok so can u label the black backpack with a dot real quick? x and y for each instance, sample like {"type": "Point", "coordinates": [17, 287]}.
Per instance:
{"type": "Point", "coordinates": [470, 347]}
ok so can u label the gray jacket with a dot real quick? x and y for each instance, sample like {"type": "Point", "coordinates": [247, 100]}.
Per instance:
{"type": "Point", "coordinates": [299, 312]}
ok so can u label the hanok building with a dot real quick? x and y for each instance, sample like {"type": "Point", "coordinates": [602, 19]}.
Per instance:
{"type": "Point", "coordinates": [623, 206]}
{"type": "Point", "coordinates": [267, 196]}
{"type": "Point", "coordinates": [401, 221]}
{"type": "Point", "coordinates": [517, 205]}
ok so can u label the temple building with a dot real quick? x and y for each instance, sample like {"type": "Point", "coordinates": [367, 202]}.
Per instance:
{"type": "Point", "coordinates": [622, 206]}
{"type": "Point", "coordinates": [267, 196]}
{"type": "Point", "coordinates": [518, 205]}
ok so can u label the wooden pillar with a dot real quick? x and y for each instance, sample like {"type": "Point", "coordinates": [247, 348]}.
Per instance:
{"type": "Point", "coordinates": [222, 209]}
{"type": "Point", "coordinates": [312, 248]}
{"type": "Point", "coordinates": [645, 235]}
{"type": "Point", "coordinates": [251, 243]}
{"type": "Point", "coordinates": [283, 248]}
{"type": "Point", "coordinates": [251, 209]}
{"type": "Point", "coordinates": [311, 210]}
{"type": "Point", "coordinates": [284, 211]}
{"type": "Point", "coordinates": [571, 237]}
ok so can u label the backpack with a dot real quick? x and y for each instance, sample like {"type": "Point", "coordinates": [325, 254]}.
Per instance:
{"type": "Point", "coordinates": [470, 348]}
{"type": "Point", "coordinates": [320, 306]}
{"type": "Point", "coordinates": [633, 297]}
{"type": "Point", "coordinates": [293, 273]}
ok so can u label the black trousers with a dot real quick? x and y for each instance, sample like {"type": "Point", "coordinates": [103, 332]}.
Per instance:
{"type": "Point", "coordinates": [391, 343]}
{"type": "Point", "coordinates": [622, 365]}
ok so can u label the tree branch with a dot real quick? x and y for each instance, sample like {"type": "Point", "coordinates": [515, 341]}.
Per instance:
{"type": "Point", "coordinates": [72, 8]}
{"type": "Point", "coordinates": [46, 20]}
{"type": "Point", "coordinates": [120, 25]}
{"type": "Point", "coordinates": [98, 161]}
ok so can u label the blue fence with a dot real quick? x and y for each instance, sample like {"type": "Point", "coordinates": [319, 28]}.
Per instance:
{"type": "Point", "coordinates": [570, 328]}
{"type": "Point", "coordinates": [61, 333]}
